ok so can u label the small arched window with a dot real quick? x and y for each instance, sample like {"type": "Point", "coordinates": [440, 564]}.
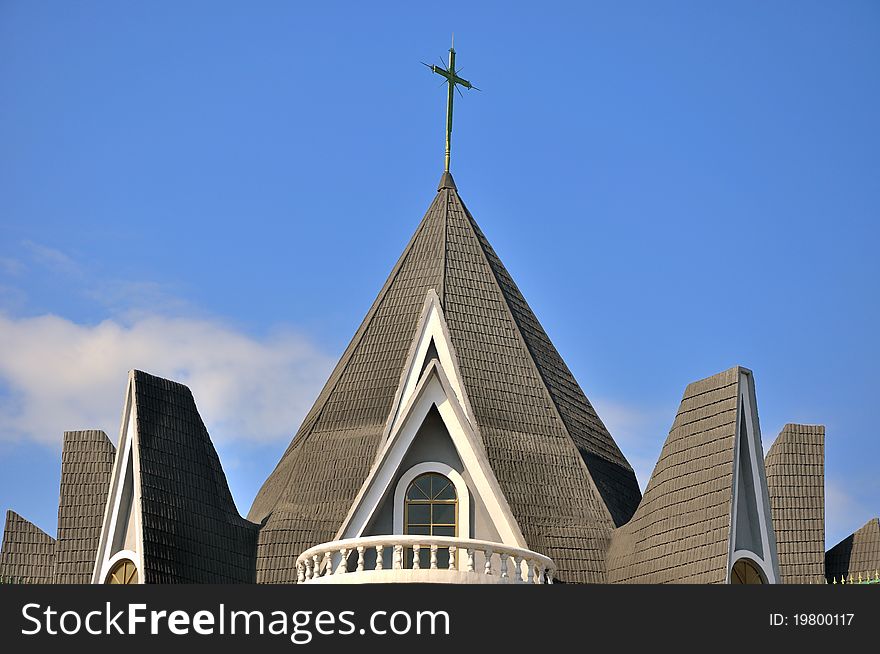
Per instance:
{"type": "Point", "coordinates": [124, 572]}
{"type": "Point", "coordinates": [746, 572]}
{"type": "Point", "coordinates": [430, 509]}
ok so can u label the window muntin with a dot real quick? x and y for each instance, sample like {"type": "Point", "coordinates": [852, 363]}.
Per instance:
{"type": "Point", "coordinates": [430, 509]}
{"type": "Point", "coordinates": [124, 572]}
{"type": "Point", "coordinates": [746, 572]}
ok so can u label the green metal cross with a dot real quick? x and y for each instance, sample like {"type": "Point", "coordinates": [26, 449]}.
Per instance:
{"type": "Point", "coordinates": [452, 79]}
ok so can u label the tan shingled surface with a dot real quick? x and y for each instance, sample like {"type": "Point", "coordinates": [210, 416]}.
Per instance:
{"type": "Point", "coordinates": [28, 553]}
{"type": "Point", "coordinates": [679, 533]}
{"type": "Point", "coordinates": [86, 467]}
{"type": "Point", "coordinates": [795, 466]}
{"type": "Point", "coordinates": [856, 554]}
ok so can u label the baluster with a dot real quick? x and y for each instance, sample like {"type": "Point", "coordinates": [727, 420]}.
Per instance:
{"type": "Point", "coordinates": [316, 565]}
{"type": "Point", "coordinates": [417, 564]}
{"type": "Point", "coordinates": [504, 556]}
{"type": "Point", "coordinates": [300, 572]}
{"type": "Point", "coordinates": [380, 557]}
{"type": "Point", "coordinates": [452, 550]}
{"type": "Point", "coordinates": [433, 557]}
{"type": "Point", "coordinates": [360, 567]}
{"type": "Point", "coordinates": [310, 569]}
{"type": "Point", "coordinates": [342, 568]}
{"type": "Point", "coordinates": [549, 576]}
{"type": "Point", "coordinates": [517, 566]}
{"type": "Point", "coordinates": [489, 554]}
{"type": "Point", "coordinates": [397, 563]}
{"type": "Point", "coordinates": [470, 559]}
{"type": "Point", "coordinates": [530, 566]}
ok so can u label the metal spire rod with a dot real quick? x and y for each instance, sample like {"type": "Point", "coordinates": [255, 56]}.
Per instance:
{"type": "Point", "coordinates": [452, 79]}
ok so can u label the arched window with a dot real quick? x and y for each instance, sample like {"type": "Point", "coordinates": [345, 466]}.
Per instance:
{"type": "Point", "coordinates": [430, 509]}
{"type": "Point", "coordinates": [431, 506]}
{"type": "Point", "coordinates": [124, 572]}
{"type": "Point", "coordinates": [746, 572]}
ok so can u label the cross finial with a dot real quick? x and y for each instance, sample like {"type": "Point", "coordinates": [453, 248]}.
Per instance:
{"type": "Point", "coordinates": [452, 79]}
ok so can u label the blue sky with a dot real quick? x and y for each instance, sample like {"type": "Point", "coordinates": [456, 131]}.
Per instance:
{"type": "Point", "coordinates": [215, 192]}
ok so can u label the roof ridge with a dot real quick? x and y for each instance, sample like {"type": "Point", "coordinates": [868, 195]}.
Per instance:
{"type": "Point", "coordinates": [20, 518]}
{"type": "Point", "coordinates": [481, 238]}
{"type": "Point", "coordinates": [531, 356]}
{"type": "Point", "coordinates": [212, 457]}
{"type": "Point", "coordinates": [301, 435]}
{"type": "Point", "coordinates": [362, 330]}
{"type": "Point", "coordinates": [95, 435]}
{"type": "Point", "coordinates": [442, 290]}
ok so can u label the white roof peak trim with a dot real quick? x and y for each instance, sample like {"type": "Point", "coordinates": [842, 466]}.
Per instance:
{"type": "Point", "coordinates": [127, 457]}
{"type": "Point", "coordinates": [433, 389]}
{"type": "Point", "coordinates": [431, 327]}
{"type": "Point", "coordinates": [751, 464]}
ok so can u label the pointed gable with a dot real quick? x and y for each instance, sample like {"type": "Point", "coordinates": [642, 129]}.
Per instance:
{"type": "Point", "coordinates": [169, 509]}
{"type": "Point", "coordinates": [565, 479]}
{"type": "Point", "coordinates": [795, 467]}
{"type": "Point", "coordinates": [86, 466]}
{"type": "Point", "coordinates": [434, 394]}
{"type": "Point", "coordinates": [27, 555]}
{"type": "Point", "coordinates": [694, 518]}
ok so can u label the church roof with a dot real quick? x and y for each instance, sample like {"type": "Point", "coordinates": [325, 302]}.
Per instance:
{"type": "Point", "coordinates": [679, 533]}
{"type": "Point", "coordinates": [86, 467]}
{"type": "Point", "coordinates": [795, 468]}
{"type": "Point", "coordinates": [858, 553]}
{"type": "Point", "coordinates": [192, 532]}
{"type": "Point", "coordinates": [564, 477]}
{"type": "Point", "coordinates": [28, 553]}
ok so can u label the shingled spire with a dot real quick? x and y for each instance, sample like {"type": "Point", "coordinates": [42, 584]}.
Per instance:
{"type": "Point", "coordinates": [564, 477]}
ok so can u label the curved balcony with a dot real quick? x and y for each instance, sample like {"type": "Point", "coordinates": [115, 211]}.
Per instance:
{"type": "Point", "coordinates": [421, 559]}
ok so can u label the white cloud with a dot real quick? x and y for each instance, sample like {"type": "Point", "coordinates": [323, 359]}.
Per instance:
{"type": "Point", "coordinates": [56, 374]}
{"type": "Point", "coordinates": [52, 259]}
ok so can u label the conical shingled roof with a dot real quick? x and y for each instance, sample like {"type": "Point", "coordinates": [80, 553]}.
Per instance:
{"type": "Point", "coordinates": [565, 479]}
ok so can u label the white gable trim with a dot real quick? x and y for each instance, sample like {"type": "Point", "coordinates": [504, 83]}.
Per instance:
{"type": "Point", "coordinates": [461, 490]}
{"type": "Point", "coordinates": [752, 465]}
{"type": "Point", "coordinates": [431, 327]}
{"type": "Point", "coordinates": [127, 458]}
{"type": "Point", "coordinates": [434, 389]}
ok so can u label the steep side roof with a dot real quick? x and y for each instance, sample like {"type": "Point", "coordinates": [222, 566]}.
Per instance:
{"type": "Point", "coordinates": [86, 467]}
{"type": "Point", "coordinates": [192, 532]}
{"type": "Point", "coordinates": [679, 533]}
{"type": "Point", "coordinates": [795, 466]}
{"type": "Point", "coordinates": [28, 553]}
{"type": "Point", "coordinates": [541, 435]}
{"type": "Point", "coordinates": [856, 554]}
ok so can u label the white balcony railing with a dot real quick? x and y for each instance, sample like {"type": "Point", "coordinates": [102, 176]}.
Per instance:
{"type": "Point", "coordinates": [422, 559]}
